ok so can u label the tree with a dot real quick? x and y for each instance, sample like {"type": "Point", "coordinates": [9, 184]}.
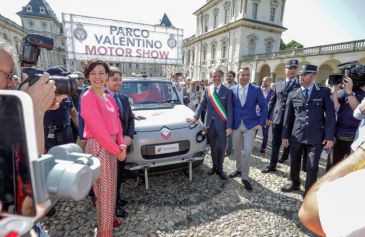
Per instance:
{"type": "Point", "coordinates": [291, 45]}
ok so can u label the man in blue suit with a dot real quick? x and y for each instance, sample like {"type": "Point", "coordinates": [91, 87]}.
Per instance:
{"type": "Point", "coordinates": [246, 121]}
{"type": "Point", "coordinates": [217, 100]}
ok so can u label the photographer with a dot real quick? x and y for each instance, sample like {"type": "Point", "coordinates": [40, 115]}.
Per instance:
{"type": "Point", "coordinates": [345, 102]}
{"type": "Point", "coordinates": [42, 92]}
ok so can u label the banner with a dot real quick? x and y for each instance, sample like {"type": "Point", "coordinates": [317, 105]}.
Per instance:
{"type": "Point", "coordinates": [120, 41]}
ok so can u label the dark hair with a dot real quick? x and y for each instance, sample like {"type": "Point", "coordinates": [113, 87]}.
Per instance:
{"type": "Point", "coordinates": [231, 72]}
{"type": "Point", "coordinates": [217, 69]}
{"type": "Point", "coordinates": [92, 64]}
{"type": "Point", "coordinates": [178, 74]}
{"type": "Point", "coordinates": [114, 70]}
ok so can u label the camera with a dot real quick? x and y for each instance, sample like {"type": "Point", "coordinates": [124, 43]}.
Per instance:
{"type": "Point", "coordinates": [30, 53]}
{"type": "Point", "coordinates": [352, 69]}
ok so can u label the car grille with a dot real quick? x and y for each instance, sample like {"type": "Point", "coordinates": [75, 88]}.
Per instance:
{"type": "Point", "coordinates": [148, 151]}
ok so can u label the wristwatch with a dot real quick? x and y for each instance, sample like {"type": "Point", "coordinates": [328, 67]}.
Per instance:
{"type": "Point", "coordinates": [350, 94]}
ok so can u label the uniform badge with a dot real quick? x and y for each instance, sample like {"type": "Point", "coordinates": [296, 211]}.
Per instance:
{"type": "Point", "coordinates": [79, 32]}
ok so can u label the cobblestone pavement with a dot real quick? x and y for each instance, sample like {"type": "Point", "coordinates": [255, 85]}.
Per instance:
{"type": "Point", "coordinates": [208, 206]}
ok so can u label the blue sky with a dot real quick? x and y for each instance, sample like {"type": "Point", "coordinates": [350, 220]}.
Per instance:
{"type": "Point", "coordinates": [310, 22]}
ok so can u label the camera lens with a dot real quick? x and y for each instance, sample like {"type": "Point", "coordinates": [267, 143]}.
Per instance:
{"type": "Point", "coordinates": [65, 86]}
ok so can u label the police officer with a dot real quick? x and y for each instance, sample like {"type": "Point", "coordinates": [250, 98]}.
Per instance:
{"type": "Point", "coordinates": [309, 123]}
{"type": "Point", "coordinates": [276, 112]}
{"type": "Point", "coordinates": [345, 102]}
{"type": "Point", "coordinates": [57, 123]}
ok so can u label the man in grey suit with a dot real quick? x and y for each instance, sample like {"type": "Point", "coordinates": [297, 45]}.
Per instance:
{"type": "Point", "coordinates": [246, 122]}
{"type": "Point", "coordinates": [217, 100]}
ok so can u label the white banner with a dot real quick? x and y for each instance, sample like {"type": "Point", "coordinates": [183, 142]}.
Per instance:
{"type": "Point", "coordinates": [120, 41]}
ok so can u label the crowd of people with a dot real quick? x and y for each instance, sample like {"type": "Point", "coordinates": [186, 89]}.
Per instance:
{"type": "Point", "coordinates": [305, 119]}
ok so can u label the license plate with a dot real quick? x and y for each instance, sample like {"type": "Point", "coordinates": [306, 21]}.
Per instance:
{"type": "Point", "coordinates": [163, 149]}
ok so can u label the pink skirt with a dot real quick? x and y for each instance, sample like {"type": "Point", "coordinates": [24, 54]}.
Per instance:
{"type": "Point", "coordinates": [104, 187]}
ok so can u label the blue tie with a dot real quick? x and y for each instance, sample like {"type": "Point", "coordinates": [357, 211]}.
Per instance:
{"type": "Point", "coordinates": [306, 94]}
{"type": "Point", "coordinates": [120, 106]}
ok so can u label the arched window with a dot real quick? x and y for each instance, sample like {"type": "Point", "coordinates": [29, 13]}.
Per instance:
{"type": "Point", "coordinates": [215, 18]}
{"type": "Point", "coordinates": [233, 8]}
{"type": "Point", "coordinates": [269, 44]}
{"type": "Point", "coordinates": [227, 6]}
{"type": "Point", "coordinates": [193, 56]}
{"type": "Point", "coordinates": [255, 7]}
{"type": "Point", "coordinates": [204, 52]}
{"type": "Point", "coordinates": [214, 50]}
{"type": "Point", "coordinates": [206, 23]}
{"type": "Point", "coordinates": [224, 48]}
{"type": "Point", "coordinates": [252, 39]}
{"type": "Point", "coordinates": [273, 5]}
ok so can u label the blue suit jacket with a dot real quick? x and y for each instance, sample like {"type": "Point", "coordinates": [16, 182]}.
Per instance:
{"type": "Point", "coordinates": [225, 96]}
{"type": "Point", "coordinates": [311, 121]}
{"type": "Point", "coordinates": [247, 112]}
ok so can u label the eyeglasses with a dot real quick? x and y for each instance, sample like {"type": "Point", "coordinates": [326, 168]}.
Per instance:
{"type": "Point", "coordinates": [8, 76]}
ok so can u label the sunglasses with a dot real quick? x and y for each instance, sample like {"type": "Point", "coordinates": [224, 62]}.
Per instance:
{"type": "Point", "coordinates": [7, 75]}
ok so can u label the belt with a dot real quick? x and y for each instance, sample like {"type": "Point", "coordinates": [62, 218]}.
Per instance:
{"type": "Point", "coordinates": [344, 138]}
{"type": "Point", "coordinates": [58, 126]}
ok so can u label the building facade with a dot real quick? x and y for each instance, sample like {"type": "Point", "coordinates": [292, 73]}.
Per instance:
{"type": "Point", "coordinates": [12, 33]}
{"type": "Point", "coordinates": [227, 30]}
{"type": "Point", "coordinates": [38, 17]}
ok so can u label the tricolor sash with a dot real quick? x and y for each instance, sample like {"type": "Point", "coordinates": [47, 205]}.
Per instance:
{"type": "Point", "coordinates": [218, 107]}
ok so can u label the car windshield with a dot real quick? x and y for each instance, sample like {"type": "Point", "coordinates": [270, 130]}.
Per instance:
{"type": "Point", "coordinates": [150, 94]}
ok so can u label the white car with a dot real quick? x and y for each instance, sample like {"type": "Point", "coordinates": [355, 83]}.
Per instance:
{"type": "Point", "coordinates": [163, 141]}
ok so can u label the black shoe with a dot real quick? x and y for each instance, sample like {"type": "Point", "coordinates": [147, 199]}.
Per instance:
{"type": "Point", "coordinates": [122, 203]}
{"type": "Point", "coordinates": [120, 212]}
{"type": "Point", "coordinates": [247, 185]}
{"type": "Point", "coordinates": [222, 175]}
{"type": "Point", "coordinates": [268, 170]}
{"type": "Point", "coordinates": [291, 188]}
{"type": "Point", "coordinates": [282, 160]}
{"type": "Point", "coordinates": [212, 171]}
{"type": "Point", "coordinates": [51, 212]}
{"type": "Point", "coordinates": [235, 174]}
{"type": "Point", "coordinates": [262, 150]}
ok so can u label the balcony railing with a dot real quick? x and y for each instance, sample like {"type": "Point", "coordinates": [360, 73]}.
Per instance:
{"type": "Point", "coordinates": [311, 51]}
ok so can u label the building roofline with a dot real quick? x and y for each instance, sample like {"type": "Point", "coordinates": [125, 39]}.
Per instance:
{"type": "Point", "coordinates": [206, 5]}
{"type": "Point", "coordinates": [233, 25]}
{"type": "Point", "coordinates": [13, 24]}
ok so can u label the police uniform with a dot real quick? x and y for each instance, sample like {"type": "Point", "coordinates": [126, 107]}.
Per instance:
{"type": "Point", "coordinates": [57, 125]}
{"type": "Point", "coordinates": [276, 112]}
{"type": "Point", "coordinates": [307, 123]}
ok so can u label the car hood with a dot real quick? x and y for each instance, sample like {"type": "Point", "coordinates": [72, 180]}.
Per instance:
{"type": "Point", "coordinates": [172, 118]}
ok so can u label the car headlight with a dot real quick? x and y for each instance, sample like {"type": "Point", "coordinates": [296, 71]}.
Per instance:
{"type": "Point", "coordinates": [201, 135]}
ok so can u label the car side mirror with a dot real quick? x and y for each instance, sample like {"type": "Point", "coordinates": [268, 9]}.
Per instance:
{"type": "Point", "coordinates": [31, 184]}
{"type": "Point", "coordinates": [186, 100]}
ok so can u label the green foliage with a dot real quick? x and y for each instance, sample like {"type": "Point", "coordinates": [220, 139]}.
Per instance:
{"type": "Point", "coordinates": [291, 45]}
